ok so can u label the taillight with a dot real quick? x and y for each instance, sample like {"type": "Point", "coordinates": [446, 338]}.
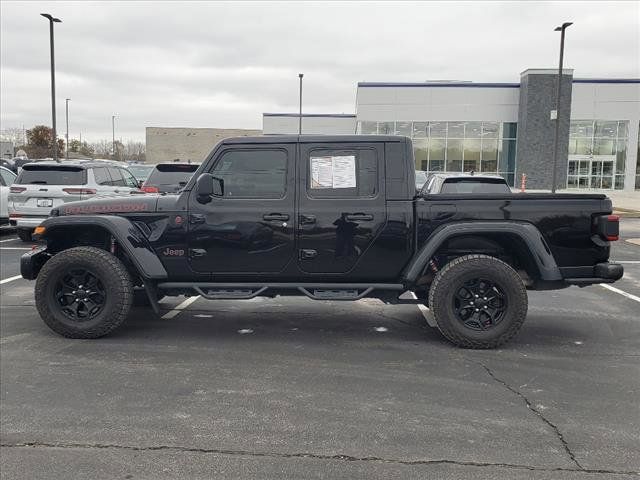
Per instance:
{"type": "Point", "coordinates": [149, 189]}
{"type": "Point", "coordinates": [17, 189]}
{"type": "Point", "coordinates": [15, 215]}
{"type": "Point", "coordinates": [80, 191]}
{"type": "Point", "coordinates": [608, 227]}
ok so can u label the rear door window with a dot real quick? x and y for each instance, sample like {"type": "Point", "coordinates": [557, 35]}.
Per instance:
{"type": "Point", "coordinates": [51, 175]}
{"type": "Point", "coordinates": [117, 180]}
{"type": "Point", "coordinates": [102, 176]}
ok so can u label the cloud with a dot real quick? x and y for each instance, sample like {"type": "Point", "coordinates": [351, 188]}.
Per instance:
{"type": "Point", "coordinates": [222, 64]}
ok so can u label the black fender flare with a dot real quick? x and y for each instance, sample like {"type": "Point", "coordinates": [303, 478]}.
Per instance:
{"type": "Point", "coordinates": [128, 236]}
{"type": "Point", "coordinates": [529, 233]}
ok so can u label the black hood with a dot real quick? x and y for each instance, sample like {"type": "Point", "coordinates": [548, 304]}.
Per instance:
{"type": "Point", "coordinates": [109, 205]}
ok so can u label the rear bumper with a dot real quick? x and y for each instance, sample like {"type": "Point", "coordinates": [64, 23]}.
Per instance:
{"type": "Point", "coordinates": [32, 262]}
{"type": "Point", "coordinates": [26, 222]}
{"type": "Point", "coordinates": [601, 273]}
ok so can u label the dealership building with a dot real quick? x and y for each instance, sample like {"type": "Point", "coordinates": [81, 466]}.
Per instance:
{"type": "Point", "coordinates": [504, 128]}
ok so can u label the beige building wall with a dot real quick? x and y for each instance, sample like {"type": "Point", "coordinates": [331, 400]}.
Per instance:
{"type": "Point", "coordinates": [187, 144]}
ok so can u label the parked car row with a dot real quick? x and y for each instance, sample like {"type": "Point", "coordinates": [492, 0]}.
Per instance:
{"type": "Point", "coordinates": [27, 199]}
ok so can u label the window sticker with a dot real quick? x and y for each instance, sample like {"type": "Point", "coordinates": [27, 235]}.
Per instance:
{"type": "Point", "coordinates": [333, 172]}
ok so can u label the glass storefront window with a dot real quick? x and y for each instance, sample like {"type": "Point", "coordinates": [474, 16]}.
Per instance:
{"type": "Point", "coordinates": [456, 146]}
{"type": "Point", "coordinates": [403, 128]}
{"type": "Point", "coordinates": [606, 129]}
{"type": "Point", "coordinates": [489, 149]}
{"type": "Point", "coordinates": [581, 128]}
{"type": "Point", "coordinates": [420, 129]}
{"type": "Point", "coordinates": [490, 129]}
{"type": "Point", "coordinates": [471, 149]}
{"type": "Point", "coordinates": [367, 128]}
{"type": "Point", "coordinates": [599, 151]}
{"type": "Point", "coordinates": [454, 150]}
{"type": "Point", "coordinates": [421, 153]}
{"type": "Point", "coordinates": [386, 128]}
{"type": "Point", "coordinates": [455, 130]}
{"type": "Point", "coordinates": [438, 129]}
{"type": "Point", "coordinates": [509, 130]}
{"type": "Point", "coordinates": [603, 146]}
{"type": "Point", "coordinates": [437, 148]}
{"type": "Point", "coordinates": [473, 130]}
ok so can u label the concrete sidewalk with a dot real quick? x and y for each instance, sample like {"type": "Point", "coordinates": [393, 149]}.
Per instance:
{"type": "Point", "coordinates": [624, 202]}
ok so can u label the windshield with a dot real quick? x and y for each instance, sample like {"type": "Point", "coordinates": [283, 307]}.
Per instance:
{"type": "Point", "coordinates": [172, 174]}
{"type": "Point", "coordinates": [51, 175]}
{"type": "Point", "coordinates": [475, 185]}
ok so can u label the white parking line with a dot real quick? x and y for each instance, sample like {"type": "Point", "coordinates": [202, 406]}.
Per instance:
{"type": "Point", "coordinates": [178, 308]}
{"type": "Point", "coordinates": [621, 292]}
{"type": "Point", "coordinates": [14, 248]}
{"type": "Point", "coordinates": [10, 279]}
{"type": "Point", "coordinates": [627, 261]}
{"type": "Point", "coordinates": [8, 240]}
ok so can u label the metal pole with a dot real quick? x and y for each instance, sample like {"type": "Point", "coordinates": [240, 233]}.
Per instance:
{"type": "Point", "coordinates": [113, 134]}
{"type": "Point", "coordinates": [559, 91]}
{"type": "Point", "coordinates": [53, 83]}
{"type": "Point", "coordinates": [300, 75]}
{"type": "Point", "coordinates": [66, 100]}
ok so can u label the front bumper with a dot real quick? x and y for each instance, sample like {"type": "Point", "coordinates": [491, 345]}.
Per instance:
{"type": "Point", "coordinates": [32, 262]}
{"type": "Point", "coordinates": [26, 222]}
{"type": "Point", "coordinates": [605, 272]}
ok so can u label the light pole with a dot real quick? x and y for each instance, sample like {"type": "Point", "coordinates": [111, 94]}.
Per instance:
{"type": "Point", "coordinates": [560, 29]}
{"type": "Point", "coordinates": [66, 115]}
{"type": "Point", "coordinates": [53, 20]}
{"type": "Point", "coordinates": [113, 134]}
{"type": "Point", "coordinates": [300, 75]}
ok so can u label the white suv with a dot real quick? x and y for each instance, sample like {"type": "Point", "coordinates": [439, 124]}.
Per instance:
{"type": "Point", "coordinates": [45, 185]}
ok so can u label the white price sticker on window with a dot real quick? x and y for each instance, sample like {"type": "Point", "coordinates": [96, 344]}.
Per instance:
{"type": "Point", "coordinates": [333, 172]}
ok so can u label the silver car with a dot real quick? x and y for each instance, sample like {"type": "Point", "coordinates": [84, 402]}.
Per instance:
{"type": "Point", "coordinates": [45, 185]}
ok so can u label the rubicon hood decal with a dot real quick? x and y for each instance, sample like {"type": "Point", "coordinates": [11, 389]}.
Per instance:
{"type": "Point", "coordinates": [110, 205]}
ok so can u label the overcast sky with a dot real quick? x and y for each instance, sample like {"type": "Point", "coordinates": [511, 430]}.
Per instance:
{"type": "Point", "coordinates": [223, 64]}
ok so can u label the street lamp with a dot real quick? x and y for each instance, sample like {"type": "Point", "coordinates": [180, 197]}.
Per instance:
{"type": "Point", "coordinates": [53, 20]}
{"type": "Point", "coordinates": [560, 29]}
{"type": "Point", "coordinates": [300, 75]}
{"type": "Point", "coordinates": [113, 134]}
{"type": "Point", "coordinates": [66, 116]}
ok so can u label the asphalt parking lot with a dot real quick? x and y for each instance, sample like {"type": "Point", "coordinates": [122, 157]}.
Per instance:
{"type": "Point", "coordinates": [300, 389]}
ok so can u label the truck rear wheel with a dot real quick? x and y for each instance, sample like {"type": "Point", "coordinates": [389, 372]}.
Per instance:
{"type": "Point", "coordinates": [83, 292]}
{"type": "Point", "coordinates": [478, 301]}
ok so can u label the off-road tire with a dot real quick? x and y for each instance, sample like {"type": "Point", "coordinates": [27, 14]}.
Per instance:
{"type": "Point", "coordinates": [25, 234]}
{"type": "Point", "coordinates": [452, 277]}
{"type": "Point", "coordinates": [111, 273]}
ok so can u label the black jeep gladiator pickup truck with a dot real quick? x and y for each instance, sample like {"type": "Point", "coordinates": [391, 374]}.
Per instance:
{"type": "Point", "coordinates": [328, 217]}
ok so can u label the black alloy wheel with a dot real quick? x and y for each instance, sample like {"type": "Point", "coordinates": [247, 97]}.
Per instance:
{"type": "Point", "coordinates": [480, 304]}
{"type": "Point", "coordinates": [80, 295]}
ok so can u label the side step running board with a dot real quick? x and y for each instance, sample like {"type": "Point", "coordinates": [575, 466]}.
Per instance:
{"type": "Point", "coordinates": [315, 291]}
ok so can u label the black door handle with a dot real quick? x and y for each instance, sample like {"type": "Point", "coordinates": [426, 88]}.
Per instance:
{"type": "Point", "coordinates": [355, 217]}
{"type": "Point", "coordinates": [276, 216]}
{"type": "Point", "coordinates": [307, 219]}
{"type": "Point", "coordinates": [196, 218]}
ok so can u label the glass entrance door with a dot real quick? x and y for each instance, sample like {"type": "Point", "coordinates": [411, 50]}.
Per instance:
{"type": "Point", "coordinates": [591, 172]}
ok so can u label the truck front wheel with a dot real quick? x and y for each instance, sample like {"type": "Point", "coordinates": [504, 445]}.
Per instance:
{"type": "Point", "coordinates": [83, 292]}
{"type": "Point", "coordinates": [478, 301]}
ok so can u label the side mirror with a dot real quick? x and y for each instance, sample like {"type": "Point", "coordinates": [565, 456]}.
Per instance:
{"type": "Point", "coordinates": [208, 186]}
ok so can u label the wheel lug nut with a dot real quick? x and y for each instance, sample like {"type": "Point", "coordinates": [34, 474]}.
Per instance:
{"type": "Point", "coordinates": [86, 299]}
{"type": "Point", "coordinates": [477, 309]}
{"type": "Point", "coordinates": [484, 298]}
{"type": "Point", "coordinates": [476, 296]}
{"type": "Point", "coordinates": [74, 292]}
